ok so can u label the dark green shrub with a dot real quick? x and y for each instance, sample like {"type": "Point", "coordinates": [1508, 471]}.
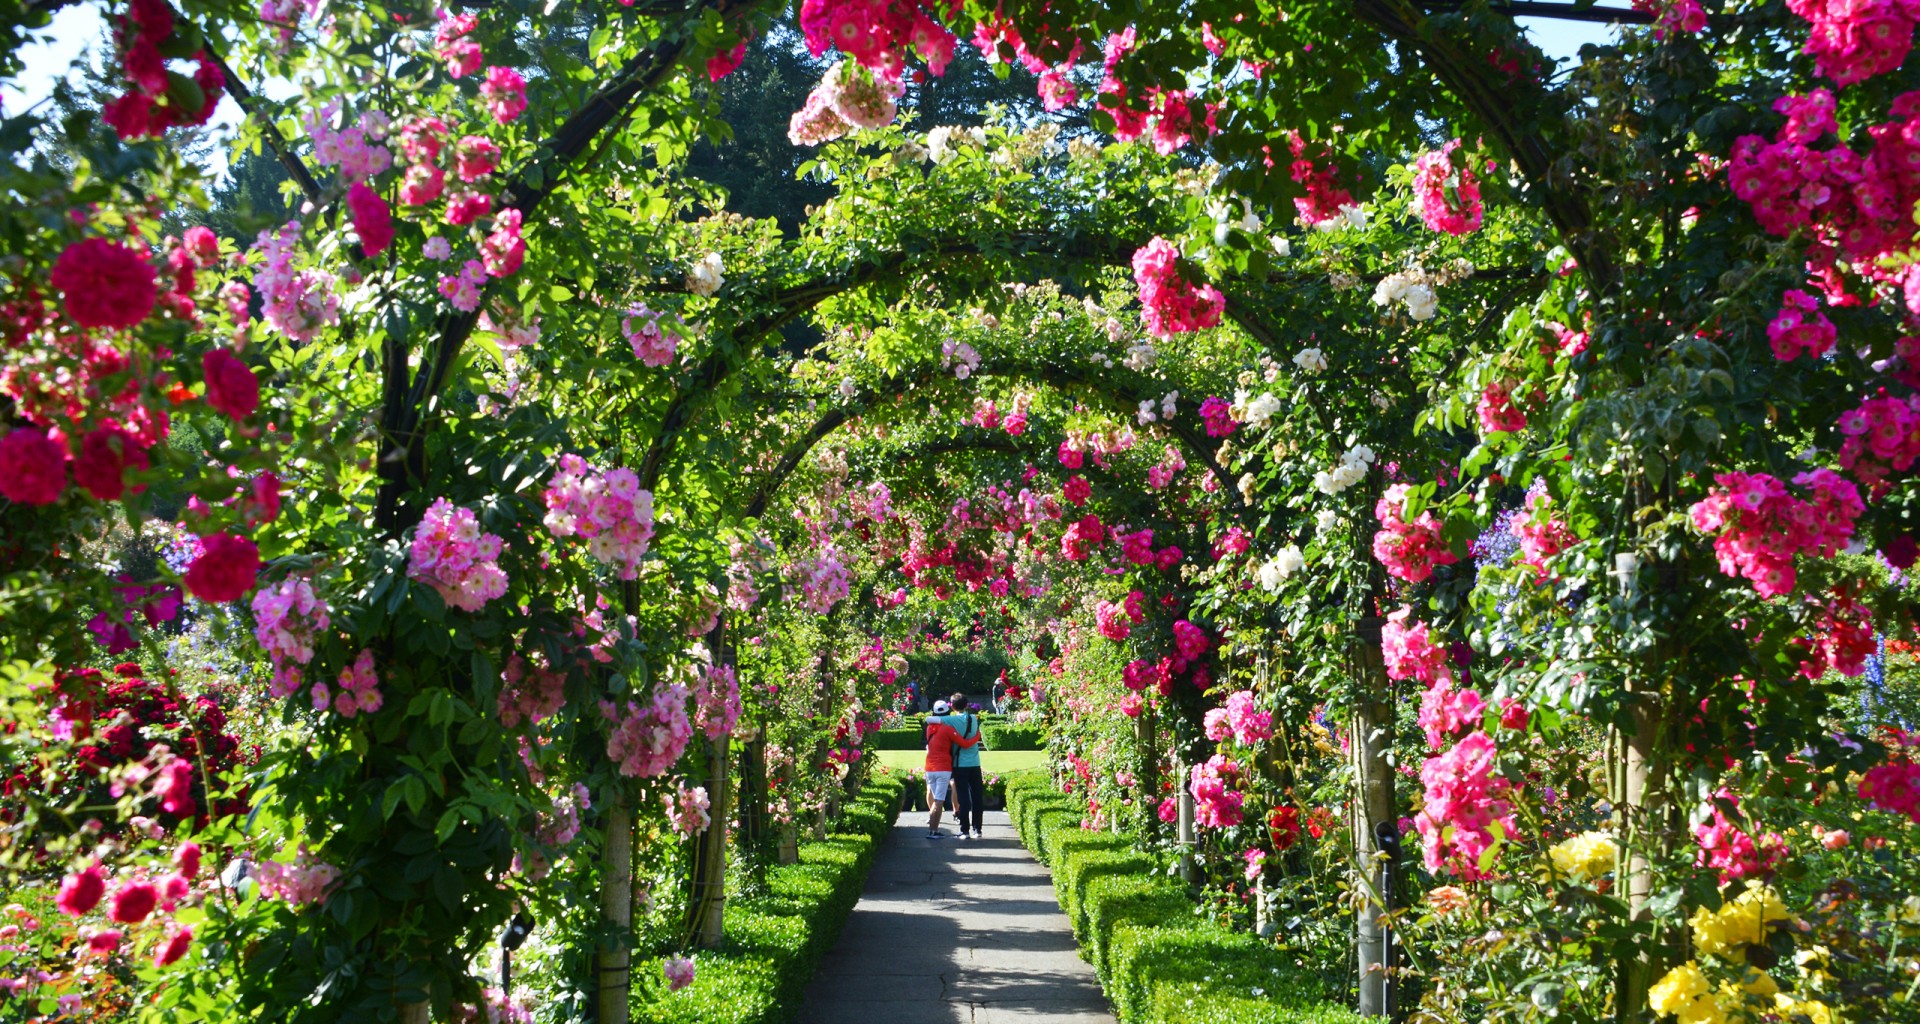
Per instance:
{"type": "Point", "coordinates": [1013, 737]}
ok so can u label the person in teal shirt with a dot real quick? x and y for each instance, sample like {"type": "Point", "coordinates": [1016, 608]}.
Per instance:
{"type": "Point", "coordinates": [969, 786]}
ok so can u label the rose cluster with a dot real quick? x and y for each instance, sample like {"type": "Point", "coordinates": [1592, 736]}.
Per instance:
{"type": "Point", "coordinates": [451, 554]}
{"type": "Point", "coordinates": [1448, 197]}
{"type": "Point", "coordinates": [1759, 527]}
{"type": "Point", "coordinates": [1409, 550]}
{"type": "Point", "coordinates": [646, 741]}
{"type": "Point", "coordinates": [605, 508]}
{"type": "Point", "coordinates": [1173, 305]}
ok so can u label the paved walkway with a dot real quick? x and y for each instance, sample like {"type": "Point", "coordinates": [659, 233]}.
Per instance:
{"type": "Point", "coordinates": [948, 932]}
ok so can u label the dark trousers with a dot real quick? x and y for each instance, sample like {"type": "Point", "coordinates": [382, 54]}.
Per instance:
{"type": "Point", "coordinates": [970, 789]}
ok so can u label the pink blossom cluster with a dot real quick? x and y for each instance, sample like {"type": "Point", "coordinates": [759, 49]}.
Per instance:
{"type": "Point", "coordinates": [1852, 40]}
{"type": "Point", "coordinates": [1326, 201]}
{"type": "Point", "coordinates": [498, 1007]}
{"type": "Point", "coordinates": [1077, 490]}
{"type": "Point", "coordinates": [504, 94]}
{"type": "Point", "coordinates": [1169, 113]}
{"type": "Point", "coordinates": [877, 504]}
{"type": "Point", "coordinates": [1057, 91]}
{"type": "Point", "coordinates": [1497, 411]}
{"type": "Point", "coordinates": [1842, 640]}
{"type": "Point", "coordinates": [1234, 541]}
{"type": "Point", "coordinates": [1673, 16]}
{"type": "Point", "coordinates": [1241, 719]}
{"type": "Point", "coordinates": [716, 697]}
{"type": "Point", "coordinates": [1857, 204]}
{"type": "Point", "coordinates": [1894, 787]}
{"type": "Point", "coordinates": [605, 508]}
{"type": "Point", "coordinates": [297, 303]}
{"type": "Point", "coordinates": [1086, 532]}
{"type": "Point", "coordinates": [1173, 305]}
{"type": "Point", "coordinates": [1111, 619]}
{"type": "Point", "coordinates": [678, 971]}
{"type": "Point", "coordinates": [356, 149]}
{"type": "Point", "coordinates": [1759, 527]}
{"type": "Point", "coordinates": [1800, 328]}
{"type": "Point", "coordinates": [530, 691]}
{"type": "Point", "coordinates": [462, 290]}
{"type": "Point", "coordinates": [1465, 802]}
{"type": "Point", "coordinates": [1140, 674]}
{"type": "Point", "coordinates": [1409, 550]}
{"type": "Point", "coordinates": [453, 43]}
{"type": "Point", "coordinates": [1409, 651]}
{"type": "Point", "coordinates": [824, 580]}
{"type": "Point", "coordinates": [1190, 640]}
{"type": "Point", "coordinates": [1162, 473]}
{"type": "Point", "coordinates": [1882, 436]}
{"type": "Point", "coordinates": [1541, 535]}
{"type": "Point", "coordinates": [1732, 851]}
{"type": "Point", "coordinates": [1449, 197]}
{"type": "Point", "coordinates": [1217, 413]}
{"type": "Point", "coordinates": [562, 825]}
{"type": "Point", "coordinates": [451, 554]}
{"type": "Point", "coordinates": [302, 882]}
{"type": "Point", "coordinates": [503, 250]}
{"type": "Point", "coordinates": [288, 618]}
{"type": "Point", "coordinates": [687, 808]}
{"type": "Point", "coordinates": [848, 97]}
{"type": "Point", "coordinates": [1445, 711]}
{"type": "Point", "coordinates": [358, 690]}
{"type": "Point", "coordinates": [877, 33]}
{"type": "Point", "coordinates": [1216, 804]}
{"type": "Point", "coordinates": [645, 742]}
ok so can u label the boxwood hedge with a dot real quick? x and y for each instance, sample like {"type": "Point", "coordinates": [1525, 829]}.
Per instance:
{"type": "Point", "coordinates": [1159, 962]}
{"type": "Point", "coordinates": [773, 941]}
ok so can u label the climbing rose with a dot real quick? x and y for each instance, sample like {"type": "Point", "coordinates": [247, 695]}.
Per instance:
{"type": "Point", "coordinates": [679, 972]}
{"type": "Point", "coordinates": [372, 220]}
{"type": "Point", "coordinates": [231, 385]}
{"type": "Point", "coordinates": [224, 571]}
{"type": "Point", "coordinates": [645, 742]}
{"type": "Point", "coordinates": [1172, 304]}
{"type": "Point", "coordinates": [1465, 800]}
{"type": "Point", "coordinates": [33, 467]}
{"type": "Point", "coordinates": [451, 554]}
{"type": "Point", "coordinates": [1409, 550]}
{"type": "Point", "coordinates": [505, 94]}
{"type": "Point", "coordinates": [504, 249]}
{"type": "Point", "coordinates": [106, 285]}
{"type": "Point", "coordinates": [1449, 197]}
{"type": "Point", "coordinates": [475, 157]}
{"type": "Point", "coordinates": [81, 891]}
{"type": "Point", "coordinates": [1800, 327]}
{"type": "Point", "coordinates": [1497, 411]}
{"type": "Point", "coordinates": [1217, 412]}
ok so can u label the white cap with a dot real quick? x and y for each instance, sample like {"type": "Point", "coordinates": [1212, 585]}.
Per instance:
{"type": "Point", "coordinates": [940, 707]}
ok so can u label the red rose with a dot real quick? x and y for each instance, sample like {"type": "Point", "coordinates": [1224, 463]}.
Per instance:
{"type": "Point", "coordinates": [33, 467]}
{"type": "Point", "coordinates": [106, 285]}
{"type": "Point", "coordinates": [105, 456]}
{"type": "Point", "coordinates": [372, 220]}
{"type": "Point", "coordinates": [81, 891]}
{"type": "Point", "coordinates": [225, 569]}
{"type": "Point", "coordinates": [134, 902]}
{"type": "Point", "coordinates": [105, 941]}
{"type": "Point", "coordinates": [231, 386]}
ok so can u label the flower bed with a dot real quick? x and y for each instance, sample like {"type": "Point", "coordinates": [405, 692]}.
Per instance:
{"type": "Point", "coordinates": [773, 942]}
{"type": "Point", "coordinates": [1157, 961]}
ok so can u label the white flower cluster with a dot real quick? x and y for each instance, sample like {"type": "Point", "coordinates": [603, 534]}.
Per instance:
{"type": "Point", "coordinates": [1326, 519]}
{"type": "Point", "coordinates": [704, 278]}
{"type": "Point", "coordinates": [944, 142]}
{"type": "Point", "coordinates": [1310, 360]}
{"type": "Point", "coordinates": [1140, 355]}
{"type": "Point", "coordinates": [1284, 563]}
{"type": "Point", "coordinates": [1411, 287]}
{"type": "Point", "coordinates": [1254, 412]}
{"type": "Point", "coordinates": [1224, 220]}
{"type": "Point", "coordinates": [1351, 470]}
{"type": "Point", "coordinates": [1281, 247]}
{"type": "Point", "coordinates": [1166, 408]}
{"type": "Point", "coordinates": [1351, 216]}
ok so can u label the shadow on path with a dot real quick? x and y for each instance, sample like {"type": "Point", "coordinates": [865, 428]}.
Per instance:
{"type": "Point", "coordinates": [948, 932]}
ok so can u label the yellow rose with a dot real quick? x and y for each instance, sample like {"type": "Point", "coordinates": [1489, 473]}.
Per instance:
{"type": "Point", "coordinates": [1740, 923]}
{"type": "Point", "coordinates": [1680, 992]}
{"type": "Point", "coordinates": [1585, 857]}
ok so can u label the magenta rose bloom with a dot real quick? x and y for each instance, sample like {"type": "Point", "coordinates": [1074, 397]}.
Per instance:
{"type": "Point", "coordinates": [225, 570]}
{"type": "Point", "coordinates": [372, 220]}
{"type": "Point", "coordinates": [231, 385]}
{"type": "Point", "coordinates": [134, 902]}
{"type": "Point", "coordinates": [106, 285]}
{"type": "Point", "coordinates": [81, 891]}
{"type": "Point", "coordinates": [33, 467]}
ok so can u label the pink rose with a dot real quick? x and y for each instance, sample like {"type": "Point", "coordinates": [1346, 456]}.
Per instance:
{"type": "Point", "coordinates": [225, 570]}
{"type": "Point", "coordinates": [231, 385]}
{"type": "Point", "coordinates": [33, 467]}
{"type": "Point", "coordinates": [106, 285]}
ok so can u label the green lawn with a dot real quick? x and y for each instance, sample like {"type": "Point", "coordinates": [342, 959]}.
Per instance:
{"type": "Point", "coordinates": [991, 761]}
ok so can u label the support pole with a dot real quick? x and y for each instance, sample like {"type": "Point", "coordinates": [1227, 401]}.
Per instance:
{"type": "Point", "coordinates": [616, 909]}
{"type": "Point", "coordinates": [1371, 741]}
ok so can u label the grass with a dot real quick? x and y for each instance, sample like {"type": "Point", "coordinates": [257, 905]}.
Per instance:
{"type": "Point", "coordinates": [992, 761]}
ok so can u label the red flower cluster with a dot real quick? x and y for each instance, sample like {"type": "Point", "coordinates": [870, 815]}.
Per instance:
{"type": "Point", "coordinates": [158, 99]}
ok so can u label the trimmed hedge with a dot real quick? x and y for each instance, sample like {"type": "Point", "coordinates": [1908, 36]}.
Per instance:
{"type": "Point", "coordinates": [909, 738]}
{"type": "Point", "coordinates": [773, 942]}
{"type": "Point", "coordinates": [1158, 961]}
{"type": "Point", "coordinates": [1013, 737]}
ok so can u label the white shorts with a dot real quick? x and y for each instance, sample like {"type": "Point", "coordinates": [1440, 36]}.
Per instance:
{"type": "Point", "coordinates": [937, 783]}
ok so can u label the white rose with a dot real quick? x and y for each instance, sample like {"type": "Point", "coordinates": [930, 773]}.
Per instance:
{"type": "Point", "coordinates": [704, 277]}
{"type": "Point", "coordinates": [1146, 414]}
{"type": "Point", "coordinates": [1312, 360]}
{"type": "Point", "coordinates": [1261, 409]}
{"type": "Point", "coordinates": [1326, 519]}
{"type": "Point", "coordinates": [1422, 304]}
{"type": "Point", "coordinates": [1281, 247]}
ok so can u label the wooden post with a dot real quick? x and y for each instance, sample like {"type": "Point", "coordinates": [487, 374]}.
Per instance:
{"type": "Point", "coordinates": [709, 899]}
{"type": "Point", "coordinates": [416, 1013]}
{"type": "Point", "coordinates": [1146, 743]}
{"type": "Point", "coordinates": [616, 909]}
{"type": "Point", "coordinates": [1370, 743]}
{"type": "Point", "coordinates": [1189, 866]}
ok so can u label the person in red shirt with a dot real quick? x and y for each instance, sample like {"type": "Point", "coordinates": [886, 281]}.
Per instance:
{"type": "Point", "coordinates": [941, 739]}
